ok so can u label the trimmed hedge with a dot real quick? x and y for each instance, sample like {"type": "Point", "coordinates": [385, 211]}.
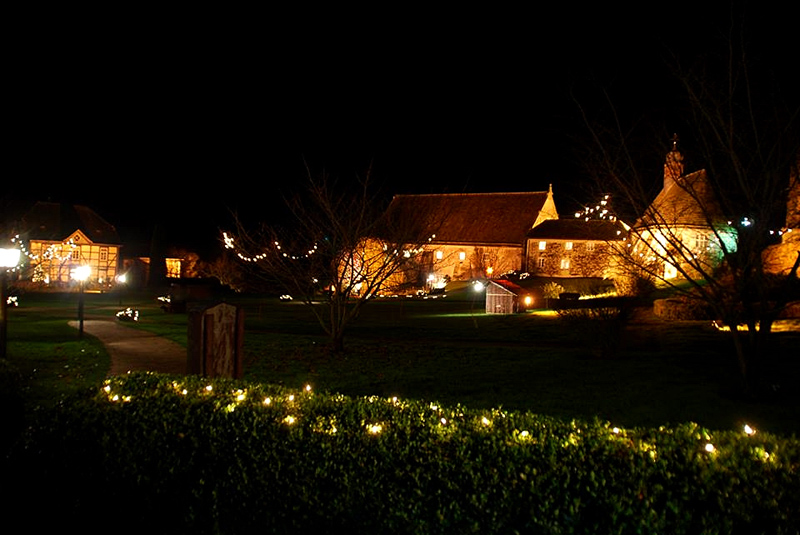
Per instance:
{"type": "Point", "coordinates": [155, 453]}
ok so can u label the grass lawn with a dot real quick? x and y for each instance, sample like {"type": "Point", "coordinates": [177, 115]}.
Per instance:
{"type": "Point", "coordinates": [449, 351]}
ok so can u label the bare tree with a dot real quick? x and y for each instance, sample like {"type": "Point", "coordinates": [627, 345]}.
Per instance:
{"type": "Point", "coordinates": [706, 233]}
{"type": "Point", "coordinates": [341, 248]}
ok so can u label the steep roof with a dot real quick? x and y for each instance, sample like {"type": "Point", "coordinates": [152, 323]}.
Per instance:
{"type": "Point", "coordinates": [578, 230]}
{"type": "Point", "coordinates": [686, 202]}
{"type": "Point", "coordinates": [55, 222]}
{"type": "Point", "coordinates": [479, 218]}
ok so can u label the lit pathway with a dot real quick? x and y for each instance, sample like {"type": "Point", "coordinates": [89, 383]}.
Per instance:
{"type": "Point", "coordinates": [134, 349]}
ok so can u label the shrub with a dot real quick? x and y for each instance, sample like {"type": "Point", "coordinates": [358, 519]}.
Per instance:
{"type": "Point", "coordinates": [186, 454]}
{"type": "Point", "coordinates": [552, 290]}
{"type": "Point", "coordinates": [599, 328]}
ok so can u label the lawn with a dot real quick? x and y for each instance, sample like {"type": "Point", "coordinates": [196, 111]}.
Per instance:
{"type": "Point", "coordinates": [449, 351]}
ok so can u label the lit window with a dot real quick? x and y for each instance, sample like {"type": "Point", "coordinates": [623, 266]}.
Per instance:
{"type": "Point", "coordinates": [700, 243]}
{"type": "Point", "coordinates": [439, 255]}
{"type": "Point", "coordinates": [542, 245]}
{"type": "Point", "coordinates": [462, 256]}
{"type": "Point", "coordinates": [565, 263]}
{"type": "Point", "coordinates": [568, 246]}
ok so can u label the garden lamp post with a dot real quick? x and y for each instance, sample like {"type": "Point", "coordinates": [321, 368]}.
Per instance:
{"type": "Point", "coordinates": [80, 274]}
{"type": "Point", "coordinates": [9, 258]}
{"type": "Point", "coordinates": [121, 280]}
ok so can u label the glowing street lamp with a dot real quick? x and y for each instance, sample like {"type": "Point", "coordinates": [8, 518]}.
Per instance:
{"type": "Point", "coordinates": [121, 280]}
{"type": "Point", "coordinates": [80, 274]}
{"type": "Point", "coordinates": [9, 258]}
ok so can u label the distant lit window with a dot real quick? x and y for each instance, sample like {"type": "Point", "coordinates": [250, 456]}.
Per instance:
{"type": "Point", "coordinates": [462, 256]}
{"type": "Point", "coordinates": [568, 246]}
{"type": "Point", "coordinates": [439, 255]}
{"type": "Point", "coordinates": [565, 263]}
{"type": "Point", "coordinates": [173, 267]}
{"type": "Point", "coordinates": [542, 245]}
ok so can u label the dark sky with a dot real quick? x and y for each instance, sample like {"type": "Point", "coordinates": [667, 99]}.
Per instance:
{"type": "Point", "coordinates": [183, 116]}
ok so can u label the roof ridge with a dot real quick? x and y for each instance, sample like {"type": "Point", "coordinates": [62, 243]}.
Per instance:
{"type": "Point", "coordinates": [469, 194]}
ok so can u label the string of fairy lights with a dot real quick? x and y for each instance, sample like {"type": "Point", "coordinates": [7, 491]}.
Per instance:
{"type": "Point", "coordinates": [602, 210]}
{"type": "Point", "coordinates": [229, 242]}
{"type": "Point", "coordinates": [289, 407]}
{"type": "Point", "coordinates": [599, 210]}
{"type": "Point", "coordinates": [54, 251]}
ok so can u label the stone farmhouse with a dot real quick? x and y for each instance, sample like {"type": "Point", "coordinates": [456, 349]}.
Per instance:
{"type": "Point", "coordinates": [573, 247]}
{"type": "Point", "coordinates": [486, 235]}
{"type": "Point", "coordinates": [781, 257]}
{"type": "Point", "coordinates": [683, 229]}
{"type": "Point", "coordinates": [478, 235]}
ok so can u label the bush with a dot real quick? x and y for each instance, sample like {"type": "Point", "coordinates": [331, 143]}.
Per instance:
{"type": "Point", "coordinates": [159, 453]}
{"type": "Point", "coordinates": [599, 328]}
{"type": "Point", "coordinates": [552, 290]}
{"type": "Point", "coordinates": [634, 285]}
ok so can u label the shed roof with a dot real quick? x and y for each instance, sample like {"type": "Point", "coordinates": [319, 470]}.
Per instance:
{"type": "Point", "coordinates": [509, 286]}
{"type": "Point", "coordinates": [479, 218]}
{"type": "Point", "coordinates": [56, 221]}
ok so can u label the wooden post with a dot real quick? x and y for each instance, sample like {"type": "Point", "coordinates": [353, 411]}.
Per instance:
{"type": "Point", "coordinates": [216, 336]}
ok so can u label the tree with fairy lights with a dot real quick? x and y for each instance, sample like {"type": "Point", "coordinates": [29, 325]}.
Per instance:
{"type": "Point", "coordinates": [340, 248]}
{"type": "Point", "coordinates": [706, 234]}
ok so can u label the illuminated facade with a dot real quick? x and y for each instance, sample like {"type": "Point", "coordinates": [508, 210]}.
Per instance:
{"type": "Point", "coordinates": [59, 238]}
{"type": "Point", "coordinates": [683, 230]}
{"type": "Point", "coordinates": [474, 235]}
{"type": "Point", "coordinates": [781, 257]}
{"type": "Point", "coordinates": [574, 247]}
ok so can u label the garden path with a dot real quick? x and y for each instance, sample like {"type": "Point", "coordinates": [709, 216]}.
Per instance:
{"type": "Point", "coordinates": [133, 349]}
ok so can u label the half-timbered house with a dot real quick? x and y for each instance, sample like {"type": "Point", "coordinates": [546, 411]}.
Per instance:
{"type": "Point", "coordinates": [59, 238]}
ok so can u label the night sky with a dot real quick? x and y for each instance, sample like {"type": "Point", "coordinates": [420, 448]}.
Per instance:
{"type": "Point", "coordinates": [182, 117]}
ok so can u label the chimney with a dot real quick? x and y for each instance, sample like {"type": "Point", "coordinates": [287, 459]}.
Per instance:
{"type": "Point", "coordinates": [673, 166]}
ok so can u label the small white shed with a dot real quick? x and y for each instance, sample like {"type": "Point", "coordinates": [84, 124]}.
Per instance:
{"type": "Point", "coordinates": [504, 297]}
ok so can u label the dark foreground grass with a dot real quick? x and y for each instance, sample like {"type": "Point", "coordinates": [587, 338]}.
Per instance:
{"type": "Point", "coordinates": [448, 350]}
{"type": "Point", "coordinates": [664, 373]}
